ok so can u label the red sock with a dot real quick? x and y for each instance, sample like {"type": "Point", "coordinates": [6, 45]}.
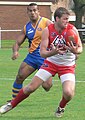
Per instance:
{"type": "Point", "coordinates": [63, 102]}
{"type": "Point", "coordinates": [20, 97]}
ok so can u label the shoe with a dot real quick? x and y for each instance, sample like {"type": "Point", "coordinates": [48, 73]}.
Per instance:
{"type": "Point", "coordinates": [5, 108]}
{"type": "Point", "coordinates": [59, 112]}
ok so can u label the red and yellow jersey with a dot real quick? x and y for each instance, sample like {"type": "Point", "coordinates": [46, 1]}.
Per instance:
{"type": "Point", "coordinates": [34, 34]}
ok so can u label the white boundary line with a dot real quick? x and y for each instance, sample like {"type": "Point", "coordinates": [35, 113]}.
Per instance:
{"type": "Point", "coordinates": [83, 81]}
{"type": "Point", "coordinates": [9, 30]}
{"type": "Point", "coordinates": [23, 3]}
{"type": "Point", "coordinates": [5, 30]}
{"type": "Point", "coordinates": [0, 38]}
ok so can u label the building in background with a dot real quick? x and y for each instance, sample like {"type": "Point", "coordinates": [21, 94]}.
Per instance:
{"type": "Point", "coordinates": [13, 14]}
{"type": "Point", "coordinates": [64, 3]}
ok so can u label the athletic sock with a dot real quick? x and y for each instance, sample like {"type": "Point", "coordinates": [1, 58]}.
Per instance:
{"type": "Point", "coordinates": [63, 102]}
{"type": "Point", "coordinates": [15, 90]}
{"type": "Point", "coordinates": [20, 97]}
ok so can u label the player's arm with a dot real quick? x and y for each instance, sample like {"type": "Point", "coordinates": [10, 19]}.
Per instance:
{"type": "Point", "coordinates": [78, 48]}
{"type": "Point", "coordinates": [44, 45]}
{"type": "Point", "coordinates": [18, 43]}
{"type": "Point", "coordinates": [49, 22]}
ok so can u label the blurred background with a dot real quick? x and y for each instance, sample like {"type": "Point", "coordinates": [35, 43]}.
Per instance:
{"type": "Point", "coordinates": [13, 16]}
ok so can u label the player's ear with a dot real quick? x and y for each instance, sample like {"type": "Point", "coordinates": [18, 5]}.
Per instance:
{"type": "Point", "coordinates": [38, 11]}
{"type": "Point", "coordinates": [57, 18]}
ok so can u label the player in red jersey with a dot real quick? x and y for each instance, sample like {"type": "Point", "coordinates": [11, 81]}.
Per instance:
{"type": "Point", "coordinates": [60, 59]}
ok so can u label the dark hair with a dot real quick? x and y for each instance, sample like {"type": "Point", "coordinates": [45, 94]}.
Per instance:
{"type": "Point", "coordinates": [32, 4]}
{"type": "Point", "coordinates": [60, 11]}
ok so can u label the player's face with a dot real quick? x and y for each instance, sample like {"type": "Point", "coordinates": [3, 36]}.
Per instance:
{"type": "Point", "coordinates": [33, 13]}
{"type": "Point", "coordinates": [63, 21]}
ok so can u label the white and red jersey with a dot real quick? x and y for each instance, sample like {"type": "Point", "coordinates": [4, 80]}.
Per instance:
{"type": "Point", "coordinates": [68, 58]}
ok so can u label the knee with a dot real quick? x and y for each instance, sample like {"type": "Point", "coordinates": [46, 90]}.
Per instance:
{"type": "Point", "coordinates": [29, 89]}
{"type": "Point", "coordinates": [19, 78]}
{"type": "Point", "coordinates": [69, 94]}
{"type": "Point", "coordinates": [47, 86]}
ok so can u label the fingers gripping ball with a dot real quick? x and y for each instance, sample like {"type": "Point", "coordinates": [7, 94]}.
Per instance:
{"type": "Point", "coordinates": [72, 35]}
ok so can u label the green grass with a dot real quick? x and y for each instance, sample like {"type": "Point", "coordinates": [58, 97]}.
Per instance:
{"type": "Point", "coordinates": [9, 43]}
{"type": "Point", "coordinates": [40, 105]}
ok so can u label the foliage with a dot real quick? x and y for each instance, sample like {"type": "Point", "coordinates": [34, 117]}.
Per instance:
{"type": "Point", "coordinates": [79, 9]}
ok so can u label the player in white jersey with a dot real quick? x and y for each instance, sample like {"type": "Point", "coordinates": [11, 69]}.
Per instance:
{"type": "Point", "coordinates": [60, 59]}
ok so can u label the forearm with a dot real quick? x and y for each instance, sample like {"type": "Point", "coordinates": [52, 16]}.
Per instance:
{"type": "Point", "coordinates": [79, 50]}
{"type": "Point", "coordinates": [45, 53]}
{"type": "Point", "coordinates": [54, 50]}
{"type": "Point", "coordinates": [15, 48]}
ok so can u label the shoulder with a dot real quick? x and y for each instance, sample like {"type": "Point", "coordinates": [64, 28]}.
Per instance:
{"type": "Point", "coordinates": [70, 26]}
{"type": "Point", "coordinates": [28, 23]}
{"type": "Point", "coordinates": [26, 26]}
{"type": "Point", "coordinates": [51, 26]}
{"type": "Point", "coordinates": [48, 21]}
{"type": "Point", "coordinates": [24, 29]}
{"type": "Point", "coordinates": [73, 27]}
{"type": "Point", "coordinates": [44, 18]}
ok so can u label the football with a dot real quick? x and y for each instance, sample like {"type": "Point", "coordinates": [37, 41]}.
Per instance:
{"type": "Point", "coordinates": [71, 35]}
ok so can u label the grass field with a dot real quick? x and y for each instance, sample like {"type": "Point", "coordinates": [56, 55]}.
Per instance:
{"type": "Point", "coordinates": [41, 105]}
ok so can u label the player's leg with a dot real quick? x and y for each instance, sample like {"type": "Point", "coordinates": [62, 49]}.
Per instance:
{"type": "Point", "coordinates": [24, 71]}
{"type": "Point", "coordinates": [23, 94]}
{"type": "Point", "coordinates": [68, 86]}
{"type": "Point", "coordinates": [27, 67]}
{"type": "Point", "coordinates": [37, 80]}
{"type": "Point", "coordinates": [68, 91]}
{"type": "Point", "coordinates": [47, 84]}
{"type": "Point", "coordinates": [27, 90]}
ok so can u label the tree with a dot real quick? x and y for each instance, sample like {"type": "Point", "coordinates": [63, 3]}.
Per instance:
{"type": "Point", "coordinates": [79, 9]}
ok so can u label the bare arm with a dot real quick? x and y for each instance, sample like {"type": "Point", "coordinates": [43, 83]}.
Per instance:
{"type": "Point", "coordinates": [49, 22]}
{"type": "Point", "coordinates": [18, 43]}
{"type": "Point", "coordinates": [78, 48]}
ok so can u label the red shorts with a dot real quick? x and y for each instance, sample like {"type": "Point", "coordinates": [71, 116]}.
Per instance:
{"type": "Point", "coordinates": [59, 69]}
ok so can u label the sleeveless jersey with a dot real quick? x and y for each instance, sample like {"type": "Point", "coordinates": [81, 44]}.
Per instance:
{"type": "Point", "coordinates": [67, 58]}
{"type": "Point", "coordinates": [34, 35]}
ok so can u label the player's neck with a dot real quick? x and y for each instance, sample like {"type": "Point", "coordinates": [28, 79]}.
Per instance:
{"type": "Point", "coordinates": [34, 22]}
{"type": "Point", "coordinates": [58, 29]}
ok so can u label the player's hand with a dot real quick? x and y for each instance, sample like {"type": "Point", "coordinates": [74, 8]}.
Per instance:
{"type": "Point", "coordinates": [58, 50]}
{"type": "Point", "coordinates": [15, 55]}
{"type": "Point", "coordinates": [73, 48]}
